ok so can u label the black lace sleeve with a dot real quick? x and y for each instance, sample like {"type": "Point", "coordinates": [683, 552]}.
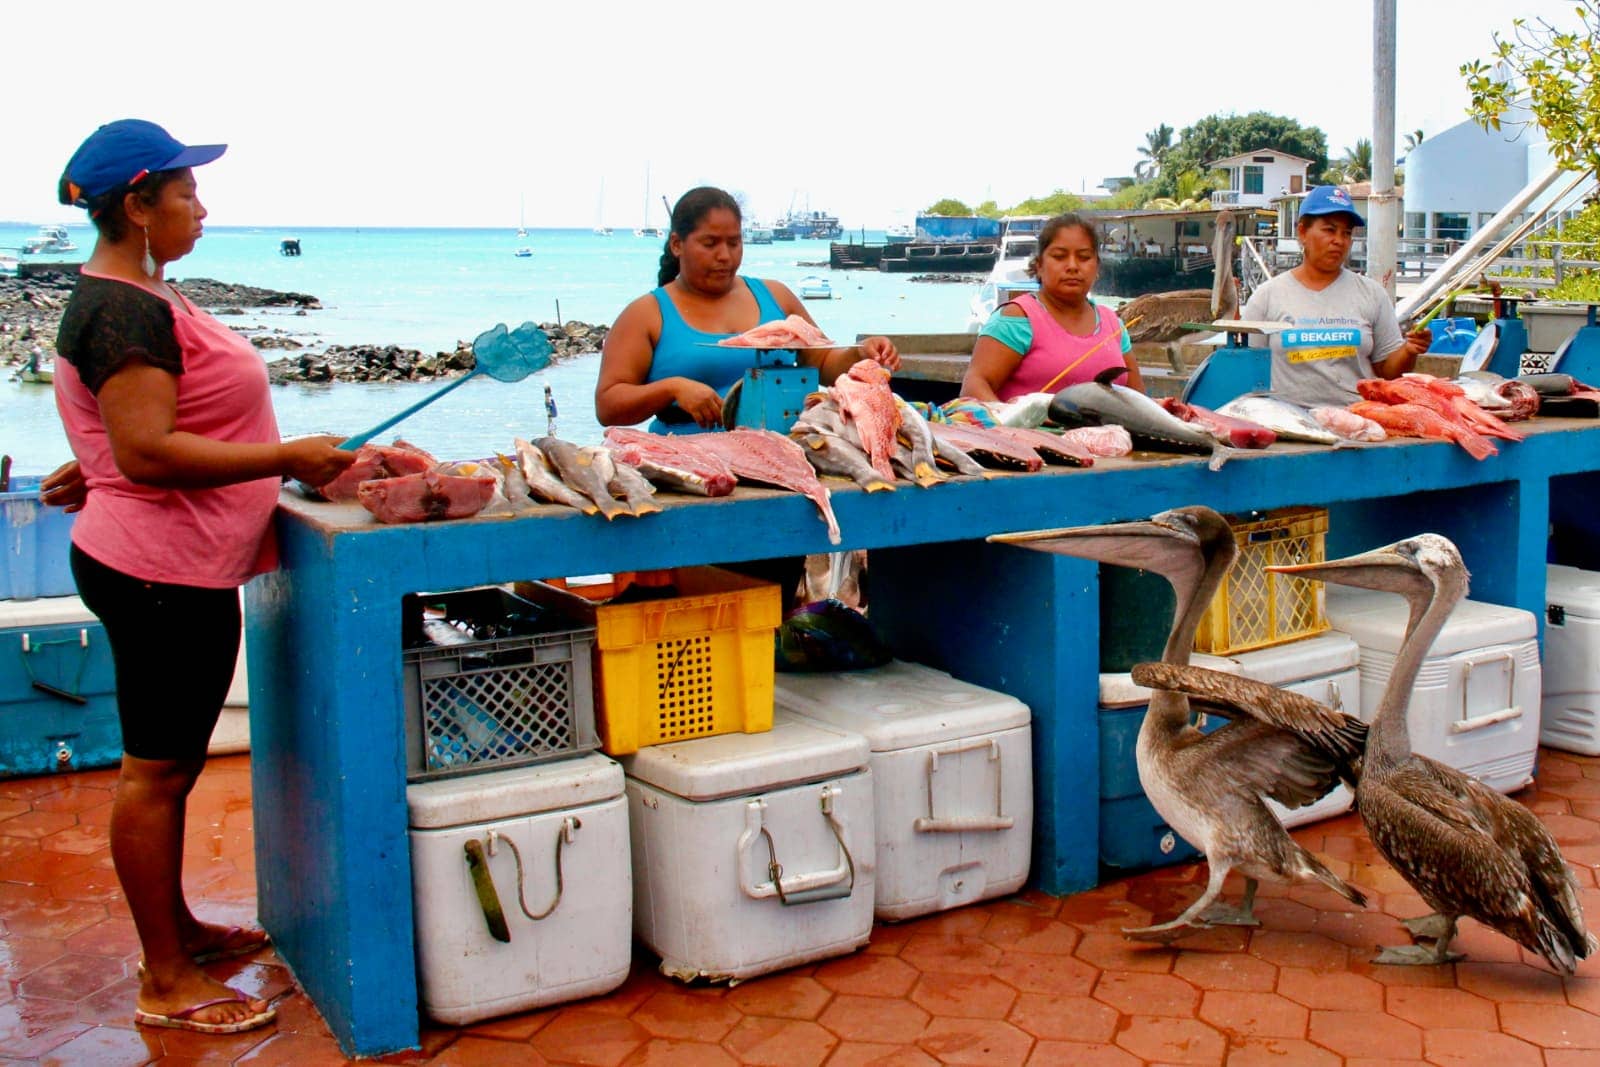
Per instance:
{"type": "Point", "coordinates": [107, 323]}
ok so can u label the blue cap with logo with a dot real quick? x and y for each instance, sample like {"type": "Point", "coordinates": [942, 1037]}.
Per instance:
{"type": "Point", "coordinates": [123, 153]}
{"type": "Point", "coordinates": [1330, 200]}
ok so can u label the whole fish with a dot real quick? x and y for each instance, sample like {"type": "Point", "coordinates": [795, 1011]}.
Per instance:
{"type": "Point", "coordinates": [515, 485]}
{"type": "Point", "coordinates": [914, 430]}
{"type": "Point", "coordinates": [990, 449]}
{"type": "Point", "coordinates": [965, 466]}
{"type": "Point", "coordinates": [577, 469]}
{"type": "Point", "coordinates": [1102, 403]}
{"type": "Point", "coordinates": [1052, 448]}
{"type": "Point", "coordinates": [1288, 420]}
{"type": "Point", "coordinates": [862, 393]}
{"type": "Point", "coordinates": [1238, 433]}
{"type": "Point", "coordinates": [625, 481]}
{"type": "Point", "coordinates": [831, 454]}
{"type": "Point", "coordinates": [543, 482]}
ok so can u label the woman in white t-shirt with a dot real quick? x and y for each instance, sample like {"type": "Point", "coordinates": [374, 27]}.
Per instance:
{"type": "Point", "coordinates": [1342, 326]}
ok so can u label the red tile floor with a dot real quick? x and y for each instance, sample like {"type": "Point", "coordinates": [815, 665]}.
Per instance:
{"type": "Point", "coordinates": [1030, 979]}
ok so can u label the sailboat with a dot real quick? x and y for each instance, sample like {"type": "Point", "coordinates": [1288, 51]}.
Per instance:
{"type": "Point", "coordinates": [522, 216]}
{"type": "Point", "coordinates": [647, 230]}
{"type": "Point", "coordinates": [600, 227]}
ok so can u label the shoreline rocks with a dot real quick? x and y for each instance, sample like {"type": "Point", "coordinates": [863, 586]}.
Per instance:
{"type": "Point", "coordinates": [31, 308]}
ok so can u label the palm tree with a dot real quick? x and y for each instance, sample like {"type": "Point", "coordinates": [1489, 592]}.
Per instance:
{"type": "Point", "coordinates": [1156, 150]}
{"type": "Point", "coordinates": [1356, 166]}
{"type": "Point", "coordinates": [1413, 139]}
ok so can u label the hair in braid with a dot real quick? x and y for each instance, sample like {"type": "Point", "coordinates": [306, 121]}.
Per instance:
{"type": "Point", "coordinates": [687, 213]}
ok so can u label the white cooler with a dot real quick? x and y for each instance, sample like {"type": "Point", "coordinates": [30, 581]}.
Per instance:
{"type": "Point", "coordinates": [1475, 705]}
{"type": "Point", "coordinates": [712, 818]}
{"type": "Point", "coordinates": [555, 833]}
{"type": "Point", "coordinates": [1325, 668]}
{"type": "Point", "coordinates": [952, 774]}
{"type": "Point", "coordinates": [1571, 711]}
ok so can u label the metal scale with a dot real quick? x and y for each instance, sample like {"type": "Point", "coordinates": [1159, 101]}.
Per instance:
{"type": "Point", "coordinates": [772, 393]}
{"type": "Point", "coordinates": [1235, 368]}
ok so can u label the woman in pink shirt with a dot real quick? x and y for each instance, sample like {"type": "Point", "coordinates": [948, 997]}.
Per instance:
{"type": "Point", "coordinates": [1058, 338]}
{"type": "Point", "coordinates": [170, 420]}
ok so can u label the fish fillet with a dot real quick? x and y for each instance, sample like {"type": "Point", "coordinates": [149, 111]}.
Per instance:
{"type": "Point", "coordinates": [863, 395]}
{"type": "Point", "coordinates": [771, 458]}
{"type": "Point", "coordinates": [1414, 420]}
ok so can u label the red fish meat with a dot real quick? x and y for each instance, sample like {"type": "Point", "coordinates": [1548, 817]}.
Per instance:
{"type": "Point", "coordinates": [1446, 399]}
{"type": "Point", "coordinates": [374, 462]}
{"type": "Point", "coordinates": [792, 332]}
{"type": "Point", "coordinates": [863, 395]}
{"type": "Point", "coordinates": [672, 462]}
{"type": "Point", "coordinates": [1232, 431]}
{"type": "Point", "coordinates": [1414, 420]}
{"type": "Point", "coordinates": [426, 497]}
{"type": "Point", "coordinates": [772, 458]}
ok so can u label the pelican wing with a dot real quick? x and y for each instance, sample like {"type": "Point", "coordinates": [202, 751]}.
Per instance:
{"type": "Point", "coordinates": [1265, 760]}
{"type": "Point", "coordinates": [1339, 737]}
{"type": "Point", "coordinates": [1470, 851]}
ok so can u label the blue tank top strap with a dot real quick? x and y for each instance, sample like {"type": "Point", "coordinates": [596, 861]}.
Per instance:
{"type": "Point", "coordinates": [682, 351]}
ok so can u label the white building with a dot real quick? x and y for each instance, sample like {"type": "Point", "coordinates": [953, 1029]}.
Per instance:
{"type": "Point", "coordinates": [1256, 178]}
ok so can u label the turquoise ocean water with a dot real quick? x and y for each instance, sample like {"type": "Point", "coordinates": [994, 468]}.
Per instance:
{"type": "Point", "coordinates": [427, 289]}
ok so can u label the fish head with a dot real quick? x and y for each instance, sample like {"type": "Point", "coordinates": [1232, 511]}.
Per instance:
{"type": "Point", "coordinates": [1420, 568]}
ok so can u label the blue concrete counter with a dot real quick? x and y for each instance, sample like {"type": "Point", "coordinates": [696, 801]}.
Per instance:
{"type": "Point", "coordinates": [328, 741]}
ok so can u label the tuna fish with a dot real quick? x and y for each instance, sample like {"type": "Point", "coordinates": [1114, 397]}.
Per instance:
{"type": "Point", "coordinates": [1104, 403]}
{"type": "Point", "coordinates": [425, 497]}
{"type": "Point", "coordinates": [373, 462]}
{"type": "Point", "coordinates": [544, 483]}
{"type": "Point", "coordinates": [1237, 433]}
{"type": "Point", "coordinates": [1288, 420]}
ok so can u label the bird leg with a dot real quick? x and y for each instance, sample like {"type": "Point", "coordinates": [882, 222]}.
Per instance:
{"type": "Point", "coordinates": [1191, 920]}
{"type": "Point", "coordinates": [1431, 936]}
{"type": "Point", "coordinates": [1220, 914]}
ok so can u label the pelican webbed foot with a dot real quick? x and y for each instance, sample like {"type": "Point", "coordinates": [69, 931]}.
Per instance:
{"type": "Point", "coordinates": [1430, 927]}
{"type": "Point", "coordinates": [1220, 914]}
{"type": "Point", "coordinates": [1417, 955]}
{"type": "Point", "coordinates": [1166, 933]}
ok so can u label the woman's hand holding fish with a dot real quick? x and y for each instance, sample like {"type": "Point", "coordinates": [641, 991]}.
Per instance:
{"type": "Point", "coordinates": [880, 350]}
{"type": "Point", "coordinates": [315, 460]}
{"type": "Point", "coordinates": [702, 402]}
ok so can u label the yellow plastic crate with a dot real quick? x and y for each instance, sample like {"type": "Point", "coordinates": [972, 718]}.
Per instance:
{"type": "Point", "coordinates": [692, 665]}
{"type": "Point", "coordinates": [1256, 608]}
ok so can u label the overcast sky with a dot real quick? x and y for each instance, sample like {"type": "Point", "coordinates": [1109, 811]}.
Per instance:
{"type": "Point", "coordinates": [343, 113]}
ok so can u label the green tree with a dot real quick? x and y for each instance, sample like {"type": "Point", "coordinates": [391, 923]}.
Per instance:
{"type": "Point", "coordinates": [1156, 150]}
{"type": "Point", "coordinates": [1413, 139]}
{"type": "Point", "coordinates": [1555, 74]}
{"type": "Point", "coordinates": [947, 206]}
{"type": "Point", "coordinates": [988, 209]}
{"type": "Point", "coordinates": [1356, 166]}
{"type": "Point", "coordinates": [1057, 203]}
{"type": "Point", "coordinates": [1220, 136]}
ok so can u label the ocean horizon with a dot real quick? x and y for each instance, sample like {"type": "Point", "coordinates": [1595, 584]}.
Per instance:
{"type": "Point", "coordinates": [429, 288]}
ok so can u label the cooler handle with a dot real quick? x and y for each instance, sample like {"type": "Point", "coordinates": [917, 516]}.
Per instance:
{"type": "Point", "coordinates": [483, 887]}
{"type": "Point", "coordinates": [931, 824]}
{"type": "Point", "coordinates": [1510, 710]}
{"type": "Point", "coordinates": [832, 884]}
{"type": "Point", "coordinates": [75, 694]}
{"type": "Point", "coordinates": [564, 836]}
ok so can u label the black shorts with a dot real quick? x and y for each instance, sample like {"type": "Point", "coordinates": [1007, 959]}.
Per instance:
{"type": "Point", "coordinates": [174, 649]}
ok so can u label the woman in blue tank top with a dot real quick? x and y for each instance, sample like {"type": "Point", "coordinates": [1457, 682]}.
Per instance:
{"type": "Point", "coordinates": [655, 361]}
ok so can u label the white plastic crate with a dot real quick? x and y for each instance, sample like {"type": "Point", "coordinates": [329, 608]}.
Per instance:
{"type": "Point", "coordinates": [1326, 668]}
{"type": "Point", "coordinates": [553, 841]}
{"type": "Point", "coordinates": [1571, 705]}
{"type": "Point", "coordinates": [952, 773]}
{"type": "Point", "coordinates": [1475, 704]}
{"type": "Point", "coordinates": [752, 852]}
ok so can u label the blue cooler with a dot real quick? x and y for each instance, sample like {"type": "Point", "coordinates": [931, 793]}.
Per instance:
{"type": "Point", "coordinates": [1452, 337]}
{"type": "Point", "coordinates": [34, 541]}
{"type": "Point", "coordinates": [58, 700]}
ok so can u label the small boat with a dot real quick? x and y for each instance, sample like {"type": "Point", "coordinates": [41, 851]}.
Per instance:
{"type": "Point", "coordinates": [9, 265]}
{"type": "Point", "coordinates": [757, 234]}
{"type": "Point", "coordinates": [35, 370]}
{"type": "Point", "coordinates": [522, 217]}
{"type": "Point", "coordinates": [648, 231]}
{"type": "Point", "coordinates": [814, 287]}
{"type": "Point", "coordinates": [602, 231]}
{"type": "Point", "coordinates": [289, 246]}
{"type": "Point", "coordinates": [899, 234]}
{"type": "Point", "coordinates": [49, 239]}
{"type": "Point", "coordinates": [523, 252]}
{"type": "Point", "coordinates": [1008, 280]}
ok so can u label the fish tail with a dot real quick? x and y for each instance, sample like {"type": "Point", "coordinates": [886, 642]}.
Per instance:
{"type": "Point", "coordinates": [878, 485]}
{"type": "Point", "coordinates": [1477, 446]}
{"type": "Point", "coordinates": [1220, 454]}
{"type": "Point", "coordinates": [926, 475]}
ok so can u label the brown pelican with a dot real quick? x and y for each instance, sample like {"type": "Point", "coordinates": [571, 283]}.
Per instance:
{"type": "Point", "coordinates": [1162, 315]}
{"type": "Point", "coordinates": [1465, 848]}
{"type": "Point", "coordinates": [1209, 787]}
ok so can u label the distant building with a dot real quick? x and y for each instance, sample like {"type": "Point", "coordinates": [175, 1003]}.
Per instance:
{"type": "Point", "coordinates": [1288, 205]}
{"type": "Point", "coordinates": [1112, 185]}
{"type": "Point", "coordinates": [1457, 180]}
{"type": "Point", "coordinates": [1255, 178]}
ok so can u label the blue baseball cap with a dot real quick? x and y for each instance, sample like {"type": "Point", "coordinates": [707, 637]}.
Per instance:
{"type": "Point", "coordinates": [1330, 200]}
{"type": "Point", "coordinates": [122, 153]}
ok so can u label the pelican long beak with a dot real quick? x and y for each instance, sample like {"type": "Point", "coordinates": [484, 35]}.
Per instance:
{"type": "Point", "coordinates": [1148, 544]}
{"type": "Point", "coordinates": [1388, 569]}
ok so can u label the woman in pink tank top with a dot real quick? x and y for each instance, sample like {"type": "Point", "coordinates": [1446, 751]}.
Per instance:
{"type": "Point", "coordinates": [170, 420]}
{"type": "Point", "coordinates": [1058, 338]}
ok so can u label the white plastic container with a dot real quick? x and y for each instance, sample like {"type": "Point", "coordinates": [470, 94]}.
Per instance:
{"type": "Point", "coordinates": [557, 833]}
{"type": "Point", "coordinates": [1475, 705]}
{"type": "Point", "coordinates": [952, 780]}
{"type": "Point", "coordinates": [1325, 668]}
{"type": "Point", "coordinates": [1571, 708]}
{"type": "Point", "coordinates": [713, 816]}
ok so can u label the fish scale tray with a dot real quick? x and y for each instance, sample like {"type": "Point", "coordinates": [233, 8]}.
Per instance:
{"type": "Point", "coordinates": [499, 703]}
{"type": "Point", "coordinates": [1256, 608]}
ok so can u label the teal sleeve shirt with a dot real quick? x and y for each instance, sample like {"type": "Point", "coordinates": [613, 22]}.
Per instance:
{"type": "Point", "coordinates": [1016, 332]}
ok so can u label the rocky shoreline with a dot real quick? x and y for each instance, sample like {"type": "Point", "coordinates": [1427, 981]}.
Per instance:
{"type": "Point", "coordinates": [31, 308]}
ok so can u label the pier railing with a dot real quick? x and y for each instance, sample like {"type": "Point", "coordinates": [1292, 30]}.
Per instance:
{"type": "Point", "coordinates": [1537, 263]}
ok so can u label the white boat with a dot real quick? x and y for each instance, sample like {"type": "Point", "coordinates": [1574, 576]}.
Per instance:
{"type": "Point", "coordinates": [1008, 279]}
{"type": "Point", "coordinates": [602, 231]}
{"type": "Point", "coordinates": [49, 239]}
{"type": "Point", "coordinates": [647, 230]}
{"type": "Point", "coordinates": [600, 227]}
{"type": "Point", "coordinates": [814, 287]}
{"type": "Point", "coordinates": [523, 252]}
{"type": "Point", "coordinates": [757, 234]}
{"type": "Point", "coordinates": [901, 233]}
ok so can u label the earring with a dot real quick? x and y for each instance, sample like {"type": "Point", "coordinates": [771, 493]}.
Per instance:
{"type": "Point", "coordinates": [149, 263]}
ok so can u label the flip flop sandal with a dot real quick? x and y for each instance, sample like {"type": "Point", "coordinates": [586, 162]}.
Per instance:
{"type": "Point", "coordinates": [185, 1020]}
{"type": "Point", "coordinates": [229, 951]}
